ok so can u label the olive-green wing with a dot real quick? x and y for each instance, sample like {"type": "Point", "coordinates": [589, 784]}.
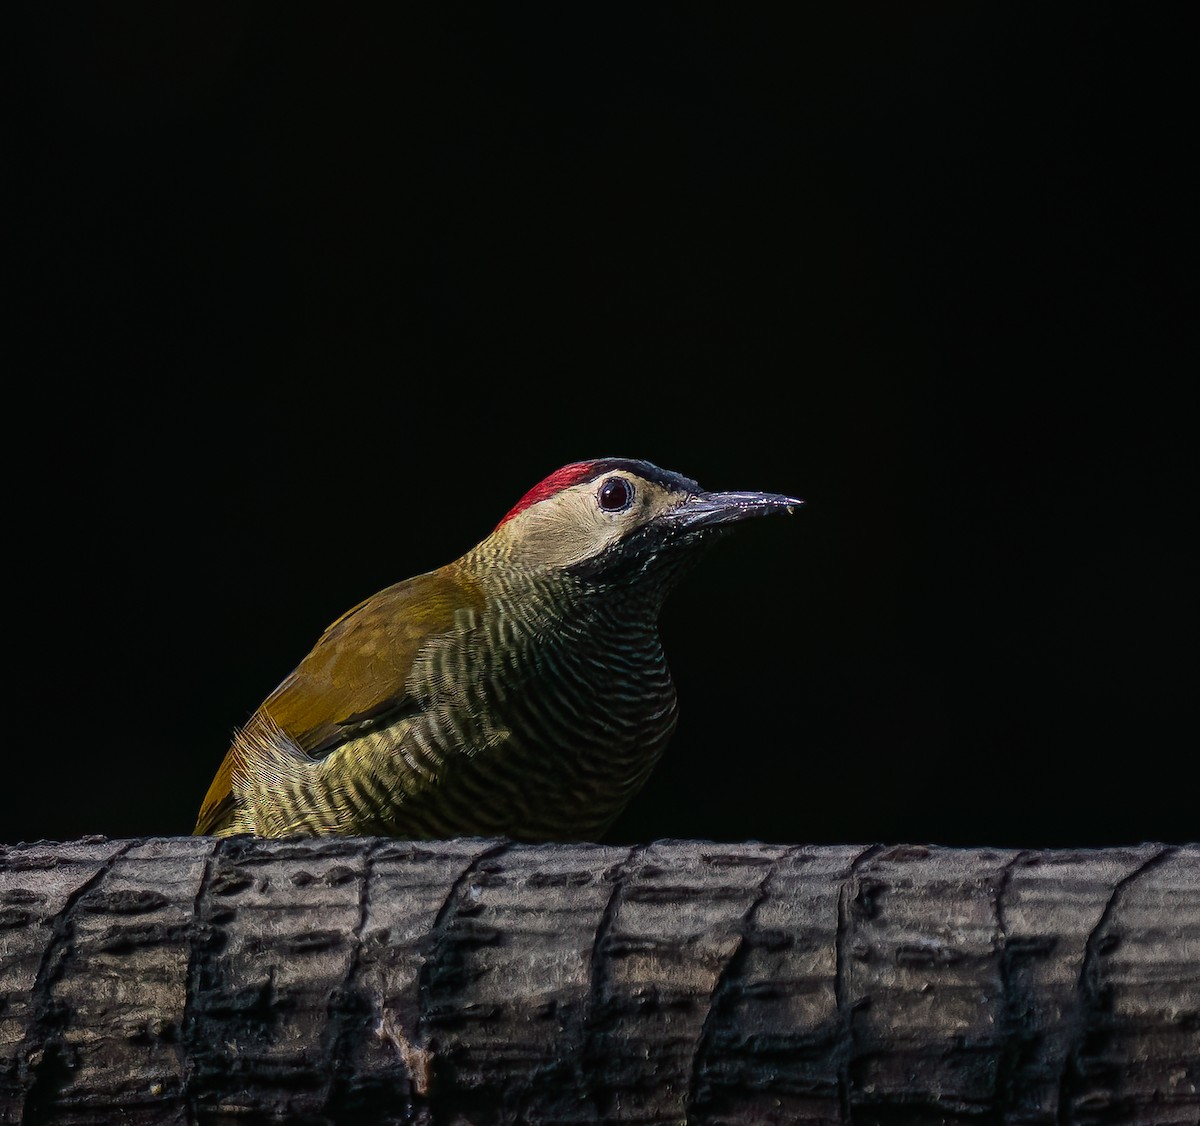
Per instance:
{"type": "Point", "coordinates": [356, 672]}
{"type": "Point", "coordinates": [358, 669]}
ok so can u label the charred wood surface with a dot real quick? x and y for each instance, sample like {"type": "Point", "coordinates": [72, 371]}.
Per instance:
{"type": "Point", "coordinates": [182, 980]}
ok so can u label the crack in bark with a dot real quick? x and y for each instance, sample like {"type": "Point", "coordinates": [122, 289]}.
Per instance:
{"type": "Point", "coordinates": [39, 1051]}
{"type": "Point", "coordinates": [731, 972]}
{"type": "Point", "coordinates": [604, 925]}
{"type": "Point", "coordinates": [1002, 890]}
{"type": "Point", "coordinates": [422, 1038]}
{"type": "Point", "coordinates": [1071, 1076]}
{"type": "Point", "coordinates": [572, 1056]}
{"type": "Point", "coordinates": [187, 1022]}
{"type": "Point", "coordinates": [596, 966]}
{"type": "Point", "coordinates": [1007, 1064]}
{"type": "Point", "coordinates": [341, 1011]}
{"type": "Point", "coordinates": [844, 1010]}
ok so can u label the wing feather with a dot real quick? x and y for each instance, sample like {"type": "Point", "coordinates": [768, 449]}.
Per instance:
{"type": "Point", "coordinates": [356, 674]}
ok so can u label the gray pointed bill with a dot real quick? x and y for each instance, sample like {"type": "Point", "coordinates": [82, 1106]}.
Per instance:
{"type": "Point", "coordinates": [703, 510]}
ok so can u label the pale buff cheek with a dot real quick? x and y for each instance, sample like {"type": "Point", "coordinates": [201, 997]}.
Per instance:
{"type": "Point", "coordinates": [568, 528]}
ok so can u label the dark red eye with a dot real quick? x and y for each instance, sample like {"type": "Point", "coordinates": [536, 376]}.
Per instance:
{"type": "Point", "coordinates": [615, 494]}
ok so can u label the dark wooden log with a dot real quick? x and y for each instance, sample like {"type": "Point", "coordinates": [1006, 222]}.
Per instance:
{"type": "Point", "coordinates": [478, 981]}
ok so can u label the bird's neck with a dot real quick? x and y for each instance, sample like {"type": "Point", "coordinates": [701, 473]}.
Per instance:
{"type": "Point", "coordinates": [544, 601]}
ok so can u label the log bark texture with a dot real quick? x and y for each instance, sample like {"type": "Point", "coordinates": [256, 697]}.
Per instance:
{"type": "Point", "coordinates": [184, 980]}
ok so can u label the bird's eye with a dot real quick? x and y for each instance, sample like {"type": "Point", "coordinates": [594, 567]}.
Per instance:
{"type": "Point", "coordinates": [615, 494]}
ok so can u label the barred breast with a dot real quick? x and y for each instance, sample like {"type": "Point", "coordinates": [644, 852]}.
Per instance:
{"type": "Point", "coordinates": [521, 727]}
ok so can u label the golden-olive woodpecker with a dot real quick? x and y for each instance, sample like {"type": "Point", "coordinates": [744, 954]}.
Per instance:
{"type": "Point", "coordinates": [519, 691]}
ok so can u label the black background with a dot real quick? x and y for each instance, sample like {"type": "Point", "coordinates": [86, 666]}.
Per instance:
{"type": "Point", "coordinates": [305, 298]}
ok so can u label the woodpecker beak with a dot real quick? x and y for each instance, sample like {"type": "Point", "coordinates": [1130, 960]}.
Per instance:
{"type": "Point", "coordinates": [703, 510]}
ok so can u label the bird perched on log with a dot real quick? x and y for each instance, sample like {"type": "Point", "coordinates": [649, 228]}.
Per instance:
{"type": "Point", "coordinates": [519, 691]}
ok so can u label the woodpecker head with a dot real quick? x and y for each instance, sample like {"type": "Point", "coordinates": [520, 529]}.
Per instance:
{"type": "Point", "coordinates": [617, 521]}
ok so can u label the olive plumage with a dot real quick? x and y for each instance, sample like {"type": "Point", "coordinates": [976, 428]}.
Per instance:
{"type": "Point", "coordinates": [520, 690]}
